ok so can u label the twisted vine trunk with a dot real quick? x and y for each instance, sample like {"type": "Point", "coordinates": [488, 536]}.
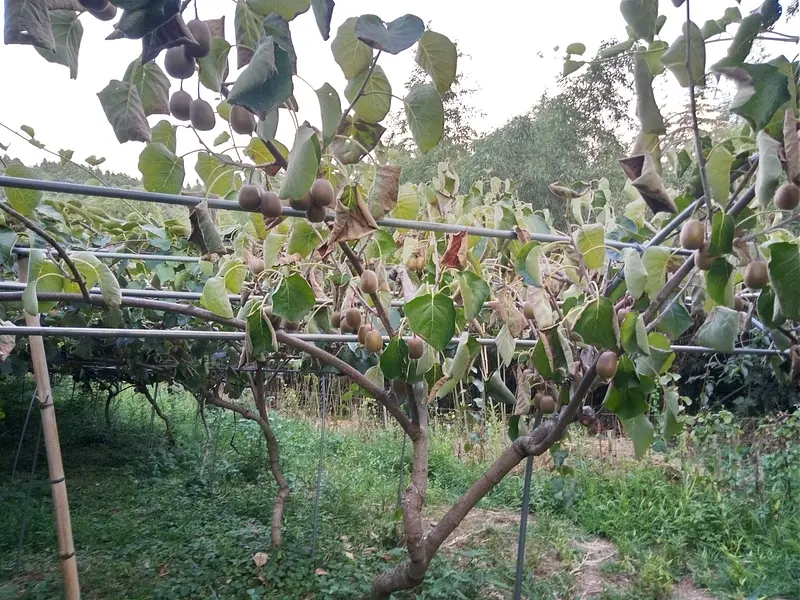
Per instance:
{"type": "Point", "coordinates": [161, 414]}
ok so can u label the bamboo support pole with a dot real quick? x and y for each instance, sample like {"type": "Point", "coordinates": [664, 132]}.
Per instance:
{"type": "Point", "coordinates": [58, 484]}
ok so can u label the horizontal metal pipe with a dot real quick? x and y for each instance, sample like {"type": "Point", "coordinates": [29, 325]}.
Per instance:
{"type": "Point", "coordinates": [190, 201]}
{"type": "Point", "coordinates": [122, 255]}
{"type": "Point", "coordinates": [186, 334]}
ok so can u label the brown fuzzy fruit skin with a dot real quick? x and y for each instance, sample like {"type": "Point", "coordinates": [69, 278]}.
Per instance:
{"type": "Point", "coordinates": [303, 203]}
{"type": "Point", "coordinates": [537, 400]}
{"type": "Point", "coordinates": [345, 328]}
{"type": "Point", "coordinates": [336, 319]}
{"type": "Point", "coordinates": [528, 311]}
{"type": "Point", "coordinates": [271, 206]}
{"type": "Point", "coordinates": [622, 313]}
{"type": "Point", "coordinates": [178, 64]}
{"type": "Point", "coordinates": [373, 341]}
{"type": "Point", "coordinates": [290, 325]}
{"type": "Point", "coordinates": [399, 387]}
{"type": "Point", "coordinates": [739, 304]}
{"type": "Point", "coordinates": [416, 348]}
{"type": "Point", "coordinates": [362, 333]}
{"type": "Point", "coordinates": [607, 365]}
{"type": "Point", "coordinates": [369, 282]}
{"type": "Point", "coordinates": [242, 120]}
{"type": "Point", "coordinates": [202, 35]}
{"type": "Point", "coordinates": [249, 197]}
{"type": "Point", "coordinates": [257, 265]}
{"type": "Point", "coordinates": [322, 192]}
{"type": "Point", "coordinates": [702, 259]}
{"type": "Point", "coordinates": [106, 13]}
{"type": "Point", "coordinates": [202, 115]}
{"type": "Point", "coordinates": [756, 275]}
{"type": "Point", "coordinates": [547, 404]}
{"type": "Point", "coordinates": [693, 235]}
{"type": "Point", "coordinates": [316, 214]}
{"type": "Point", "coordinates": [179, 104]}
{"type": "Point", "coordinates": [353, 318]}
{"type": "Point", "coordinates": [787, 197]}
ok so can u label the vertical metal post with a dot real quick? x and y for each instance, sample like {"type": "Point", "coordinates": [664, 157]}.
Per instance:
{"type": "Point", "coordinates": [22, 435]}
{"type": "Point", "coordinates": [318, 496]}
{"type": "Point", "coordinates": [523, 518]}
{"type": "Point", "coordinates": [24, 526]}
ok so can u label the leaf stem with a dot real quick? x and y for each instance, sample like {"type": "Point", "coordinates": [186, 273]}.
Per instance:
{"type": "Point", "coordinates": [343, 120]}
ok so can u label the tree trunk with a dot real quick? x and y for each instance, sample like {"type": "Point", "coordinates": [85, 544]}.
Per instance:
{"type": "Point", "coordinates": [162, 415]}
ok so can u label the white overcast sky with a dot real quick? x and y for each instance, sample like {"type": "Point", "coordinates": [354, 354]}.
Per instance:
{"type": "Point", "coordinates": [503, 38]}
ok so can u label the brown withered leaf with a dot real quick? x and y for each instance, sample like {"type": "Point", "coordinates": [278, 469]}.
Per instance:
{"type": "Point", "coordinates": [203, 230]}
{"type": "Point", "coordinates": [791, 146]}
{"type": "Point", "coordinates": [382, 197]}
{"type": "Point", "coordinates": [523, 235]}
{"type": "Point", "coordinates": [511, 316]}
{"type": "Point", "coordinates": [642, 173]}
{"type": "Point", "coordinates": [455, 257]}
{"type": "Point", "coordinates": [353, 219]}
{"type": "Point", "coordinates": [7, 342]}
{"type": "Point", "coordinates": [260, 558]}
{"type": "Point", "coordinates": [524, 378]}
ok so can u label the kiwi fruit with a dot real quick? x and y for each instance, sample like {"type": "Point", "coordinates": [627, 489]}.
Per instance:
{"type": "Point", "coordinates": [421, 262]}
{"type": "Point", "coordinates": [105, 13]}
{"type": "Point", "coordinates": [415, 348]}
{"type": "Point", "coordinates": [622, 313]}
{"type": "Point", "coordinates": [547, 404]}
{"type": "Point", "coordinates": [322, 192]}
{"type": "Point", "coordinates": [202, 115]}
{"type": "Point", "coordinates": [362, 333]}
{"type": "Point", "coordinates": [242, 120]}
{"type": "Point", "coordinates": [756, 275]}
{"type": "Point", "coordinates": [97, 5]}
{"type": "Point", "coordinates": [256, 265]}
{"type": "Point", "coordinates": [787, 197]}
{"type": "Point", "coordinates": [290, 325]}
{"type": "Point", "coordinates": [373, 341]}
{"type": "Point", "coordinates": [369, 282]}
{"type": "Point", "coordinates": [266, 312]}
{"type": "Point", "coordinates": [202, 35]}
{"type": "Point", "coordinates": [303, 203]}
{"type": "Point", "coordinates": [702, 259]}
{"type": "Point", "coordinates": [179, 104]}
{"type": "Point", "coordinates": [399, 387]}
{"type": "Point", "coordinates": [271, 206]}
{"type": "Point", "coordinates": [739, 304]}
{"type": "Point", "coordinates": [316, 214]}
{"type": "Point", "coordinates": [353, 318]}
{"type": "Point", "coordinates": [345, 328]}
{"type": "Point", "coordinates": [178, 64]}
{"type": "Point", "coordinates": [249, 197]}
{"type": "Point", "coordinates": [528, 311]}
{"type": "Point", "coordinates": [607, 365]}
{"type": "Point", "coordinates": [336, 319]}
{"type": "Point", "coordinates": [693, 235]}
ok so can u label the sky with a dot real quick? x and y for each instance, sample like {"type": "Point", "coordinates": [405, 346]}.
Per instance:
{"type": "Point", "coordinates": [511, 45]}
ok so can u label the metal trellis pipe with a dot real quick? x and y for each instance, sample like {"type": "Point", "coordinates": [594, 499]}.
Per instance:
{"type": "Point", "coordinates": [318, 491]}
{"type": "Point", "coordinates": [194, 334]}
{"type": "Point", "coordinates": [25, 251]}
{"type": "Point", "coordinates": [191, 202]}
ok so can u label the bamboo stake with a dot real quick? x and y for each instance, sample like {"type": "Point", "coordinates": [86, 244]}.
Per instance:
{"type": "Point", "coordinates": [58, 484]}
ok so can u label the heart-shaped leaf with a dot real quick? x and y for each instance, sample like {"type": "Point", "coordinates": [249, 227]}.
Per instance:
{"type": "Point", "coordinates": [67, 33]}
{"type": "Point", "coordinates": [438, 57]}
{"type": "Point", "coordinates": [124, 110]}
{"type": "Point", "coordinates": [350, 53]}
{"type": "Point", "coordinates": [394, 37]}
{"type": "Point", "coordinates": [376, 99]}
{"type": "Point", "coordinates": [213, 67]}
{"type": "Point", "coordinates": [433, 318]}
{"type": "Point", "coordinates": [161, 170]}
{"type": "Point", "coordinates": [425, 116]}
{"type": "Point", "coordinates": [719, 330]}
{"type": "Point", "coordinates": [294, 298]}
{"type": "Point", "coordinates": [266, 82]}
{"type": "Point", "coordinates": [215, 297]}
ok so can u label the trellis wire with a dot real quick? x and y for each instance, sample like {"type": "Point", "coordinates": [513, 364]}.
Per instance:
{"type": "Point", "coordinates": [24, 428]}
{"type": "Point", "coordinates": [523, 517]}
{"type": "Point", "coordinates": [191, 202]}
{"type": "Point", "coordinates": [318, 493]}
{"type": "Point", "coordinates": [191, 334]}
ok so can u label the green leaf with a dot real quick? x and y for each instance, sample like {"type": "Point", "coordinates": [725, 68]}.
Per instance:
{"type": "Point", "coordinates": [597, 324]}
{"type": "Point", "coordinates": [161, 170]}
{"type": "Point", "coordinates": [570, 66]}
{"type": "Point", "coordinates": [304, 239]}
{"type": "Point", "coordinates": [646, 107]}
{"type": "Point", "coordinates": [393, 37]}
{"type": "Point", "coordinates": [8, 237]}
{"type": "Point", "coordinates": [222, 138]}
{"type": "Point", "coordinates": [234, 273]}
{"type": "Point", "coordinates": [672, 425]}
{"type": "Point", "coordinates": [784, 274]}
{"type": "Point", "coordinates": [109, 286]}
{"type": "Point", "coordinates": [331, 108]}
{"type": "Point", "coordinates": [635, 273]}
{"type": "Point", "coordinates": [770, 170]}
{"type": "Point", "coordinates": [433, 318]}
{"type": "Point", "coordinates": [761, 89]}
{"type": "Point", "coordinates": [376, 100]}
{"type": "Point", "coordinates": [718, 167]}
{"type": "Point", "coordinates": [530, 252]}
{"type": "Point", "coordinates": [23, 201]}
{"type": "Point", "coordinates": [497, 390]}
{"type": "Point", "coordinates": [215, 297]}
{"type": "Point", "coordinates": [249, 30]}
{"type": "Point", "coordinates": [123, 108]}
{"type": "Point", "coordinates": [437, 56]}
{"type": "Point", "coordinates": [719, 330]}
{"type": "Point", "coordinates": [152, 84]}
{"type": "Point", "coordinates": [303, 164]}
{"type": "Point", "coordinates": [626, 403]}
{"type": "Point", "coordinates": [542, 357]}
{"type": "Point", "coordinates": [616, 49]}
{"type": "Point", "coordinates": [294, 298]}
{"type": "Point", "coordinates": [655, 261]}
{"type": "Point", "coordinates": [576, 48]}
{"type": "Point", "coordinates": [722, 231]}
{"type": "Point", "coordinates": [633, 334]}
{"type": "Point", "coordinates": [67, 33]}
{"type": "Point", "coordinates": [213, 67]}
{"type": "Point", "coordinates": [288, 9]}
{"type": "Point", "coordinates": [641, 16]}
{"type": "Point", "coordinates": [165, 133]}
{"type": "Point", "coordinates": [394, 359]}
{"type": "Point", "coordinates": [675, 320]}
{"type": "Point", "coordinates": [591, 241]}
{"type": "Point", "coordinates": [219, 178]}
{"type": "Point", "coordinates": [640, 430]}
{"type": "Point", "coordinates": [272, 247]}
{"type": "Point", "coordinates": [718, 283]}
{"type": "Point", "coordinates": [675, 56]}
{"type": "Point", "coordinates": [28, 23]}
{"type": "Point", "coordinates": [30, 301]}
{"type": "Point", "coordinates": [660, 358]}
{"type": "Point", "coordinates": [474, 293]}
{"type": "Point", "coordinates": [267, 81]}
{"type": "Point", "coordinates": [260, 335]}
{"type": "Point", "coordinates": [505, 345]}
{"type": "Point", "coordinates": [350, 53]}
{"type": "Point", "coordinates": [425, 116]}
{"type": "Point", "coordinates": [323, 11]}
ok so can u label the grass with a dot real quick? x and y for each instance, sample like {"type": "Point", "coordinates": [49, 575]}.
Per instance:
{"type": "Point", "coordinates": [156, 522]}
